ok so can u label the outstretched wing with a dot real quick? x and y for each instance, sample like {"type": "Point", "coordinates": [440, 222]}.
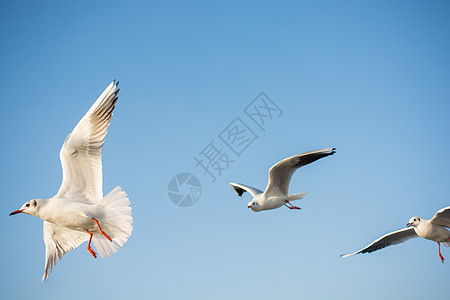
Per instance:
{"type": "Point", "coordinates": [58, 241]}
{"type": "Point", "coordinates": [389, 239]}
{"type": "Point", "coordinates": [81, 156]}
{"type": "Point", "coordinates": [442, 217]}
{"type": "Point", "coordinates": [240, 189]}
{"type": "Point", "coordinates": [281, 173]}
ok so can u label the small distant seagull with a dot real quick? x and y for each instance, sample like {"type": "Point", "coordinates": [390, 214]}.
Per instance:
{"type": "Point", "coordinates": [78, 212]}
{"type": "Point", "coordinates": [277, 190]}
{"type": "Point", "coordinates": [433, 229]}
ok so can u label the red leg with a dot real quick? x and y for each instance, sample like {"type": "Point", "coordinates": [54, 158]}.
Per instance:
{"type": "Point", "coordinates": [91, 251]}
{"type": "Point", "coordinates": [440, 255]}
{"type": "Point", "coordinates": [101, 231]}
{"type": "Point", "coordinates": [291, 206]}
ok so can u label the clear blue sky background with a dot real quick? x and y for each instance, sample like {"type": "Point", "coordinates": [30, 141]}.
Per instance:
{"type": "Point", "coordinates": [370, 78]}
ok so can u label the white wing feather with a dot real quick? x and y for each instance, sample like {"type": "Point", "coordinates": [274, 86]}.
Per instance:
{"type": "Point", "coordinates": [81, 157]}
{"type": "Point", "coordinates": [281, 173]}
{"type": "Point", "coordinates": [58, 241]}
{"type": "Point", "coordinates": [442, 217]}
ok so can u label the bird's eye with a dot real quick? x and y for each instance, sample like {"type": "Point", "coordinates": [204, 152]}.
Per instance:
{"type": "Point", "coordinates": [414, 220]}
{"type": "Point", "coordinates": [27, 205]}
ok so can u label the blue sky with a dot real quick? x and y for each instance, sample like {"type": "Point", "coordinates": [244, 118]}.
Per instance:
{"type": "Point", "coordinates": [367, 77]}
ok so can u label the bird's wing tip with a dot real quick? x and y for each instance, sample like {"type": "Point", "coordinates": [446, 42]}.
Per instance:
{"type": "Point", "coordinates": [349, 254]}
{"type": "Point", "coordinates": [239, 191]}
{"type": "Point", "coordinates": [114, 83]}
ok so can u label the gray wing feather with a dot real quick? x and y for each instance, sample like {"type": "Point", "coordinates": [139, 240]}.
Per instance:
{"type": "Point", "coordinates": [386, 240]}
{"type": "Point", "coordinates": [241, 189]}
{"type": "Point", "coordinates": [281, 173]}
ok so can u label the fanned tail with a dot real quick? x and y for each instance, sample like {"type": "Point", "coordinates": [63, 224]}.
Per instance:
{"type": "Point", "coordinates": [116, 222]}
{"type": "Point", "coordinates": [296, 196]}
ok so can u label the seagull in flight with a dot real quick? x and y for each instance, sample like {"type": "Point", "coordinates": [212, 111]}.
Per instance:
{"type": "Point", "coordinates": [434, 230]}
{"type": "Point", "coordinates": [280, 174]}
{"type": "Point", "coordinates": [79, 212]}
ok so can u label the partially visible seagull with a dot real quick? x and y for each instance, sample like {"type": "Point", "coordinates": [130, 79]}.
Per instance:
{"type": "Point", "coordinates": [277, 190]}
{"type": "Point", "coordinates": [78, 212]}
{"type": "Point", "coordinates": [433, 229]}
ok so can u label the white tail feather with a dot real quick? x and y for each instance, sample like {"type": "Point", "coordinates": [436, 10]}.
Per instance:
{"type": "Point", "coordinates": [116, 222]}
{"type": "Point", "coordinates": [296, 196]}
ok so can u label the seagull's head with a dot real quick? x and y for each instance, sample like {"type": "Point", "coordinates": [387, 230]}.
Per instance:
{"type": "Point", "coordinates": [30, 208]}
{"type": "Point", "coordinates": [414, 221]}
{"type": "Point", "coordinates": [254, 205]}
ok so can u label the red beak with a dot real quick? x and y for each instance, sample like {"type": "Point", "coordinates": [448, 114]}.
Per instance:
{"type": "Point", "coordinates": [249, 206]}
{"type": "Point", "coordinates": [409, 224]}
{"type": "Point", "coordinates": [16, 212]}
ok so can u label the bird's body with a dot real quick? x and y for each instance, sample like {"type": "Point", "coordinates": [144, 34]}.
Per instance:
{"type": "Point", "coordinates": [427, 230]}
{"type": "Point", "coordinates": [70, 213]}
{"type": "Point", "coordinates": [280, 174]}
{"type": "Point", "coordinates": [270, 202]}
{"type": "Point", "coordinates": [433, 229]}
{"type": "Point", "coordinates": [79, 212]}
{"type": "Point", "coordinates": [275, 201]}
